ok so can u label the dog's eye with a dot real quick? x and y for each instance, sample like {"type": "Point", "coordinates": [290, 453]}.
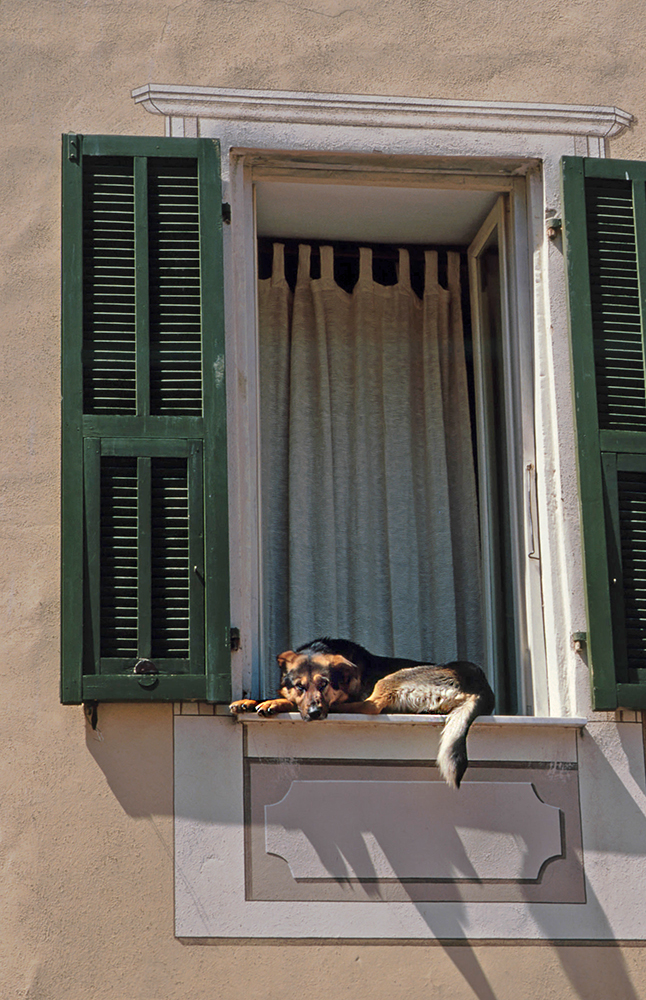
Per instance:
{"type": "Point", "coordinates": [322, 684]}
{"type": "Point", "coordinates": [301, 688]}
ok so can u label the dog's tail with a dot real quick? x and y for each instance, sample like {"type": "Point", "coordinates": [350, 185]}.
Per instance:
{"type": "Point", "coordinates": [452, 760]}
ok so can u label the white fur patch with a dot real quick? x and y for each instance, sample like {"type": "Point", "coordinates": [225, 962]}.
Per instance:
{"type": "Point", "coordinates": [434, 700]}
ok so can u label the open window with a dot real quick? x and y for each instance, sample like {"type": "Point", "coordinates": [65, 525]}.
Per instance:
{"type": "Point", "coordinates": [410, 532]}
{"type": "Point", "coordinates": [145, 554]}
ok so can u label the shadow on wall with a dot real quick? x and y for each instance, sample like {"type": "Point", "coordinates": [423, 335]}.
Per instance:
{"type": "Point", "coordinates": [585, 971]}
{"type": "Point", "coordinates": [613, 800]}
{"type": "Point", "coordinates": [133, 746]}
{"type": "Point", "coordinates": [595, 969]}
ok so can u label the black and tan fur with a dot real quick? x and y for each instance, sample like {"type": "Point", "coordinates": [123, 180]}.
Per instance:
{"type": "Point", "coordinates": [336, 675]}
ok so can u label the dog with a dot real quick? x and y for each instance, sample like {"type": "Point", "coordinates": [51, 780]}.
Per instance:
{"type": "Point", "coordinates": [336, 675]}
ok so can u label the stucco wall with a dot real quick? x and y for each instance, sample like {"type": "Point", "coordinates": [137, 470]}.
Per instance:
{"type": "Point", "coordinates": [86, 825]}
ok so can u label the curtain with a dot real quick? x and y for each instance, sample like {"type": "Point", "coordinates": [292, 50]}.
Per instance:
{"type": "Point", "coordinates": [369, 507]}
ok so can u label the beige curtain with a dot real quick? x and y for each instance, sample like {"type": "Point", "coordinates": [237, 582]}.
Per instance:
{"type": "Point", "coordinates": [369, 510]}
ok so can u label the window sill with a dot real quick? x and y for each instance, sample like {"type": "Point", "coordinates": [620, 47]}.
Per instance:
{"type": "Point", "coordinates": [524, 721]}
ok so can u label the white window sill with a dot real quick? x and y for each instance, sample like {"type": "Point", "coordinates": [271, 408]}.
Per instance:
{"type": "Point", "coordinates": [524, 721]}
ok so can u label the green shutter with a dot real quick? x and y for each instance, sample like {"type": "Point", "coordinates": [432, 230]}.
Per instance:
{"type": "Point", "coordinates": [144, 500]}
{"type": "Point", "coordinates": [604, 203]}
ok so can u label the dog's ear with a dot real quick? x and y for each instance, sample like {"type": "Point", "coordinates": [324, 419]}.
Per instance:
{"type": "Point", "coordinates": [284, 660]}
{"type": "Point", "coordinates": [343, 673]}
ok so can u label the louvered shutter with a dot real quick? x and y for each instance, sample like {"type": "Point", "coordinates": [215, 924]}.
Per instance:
{"type": "Point", "coordinates": [145, 547]}
{"type": "Point", "coordinates": [604, 204]}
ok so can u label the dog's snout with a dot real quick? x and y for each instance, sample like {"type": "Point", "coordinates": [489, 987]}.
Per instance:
{"type": "Point", "coordinates": [314, 712]}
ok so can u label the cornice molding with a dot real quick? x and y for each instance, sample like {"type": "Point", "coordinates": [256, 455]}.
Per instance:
{"type": "Point", "coordinates": [279, 106]}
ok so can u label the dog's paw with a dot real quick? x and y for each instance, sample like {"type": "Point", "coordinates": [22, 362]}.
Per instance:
{"type": "Point", "coordinates": [244, 705]}
{"type": "Point", "coordinates": [268, 707]}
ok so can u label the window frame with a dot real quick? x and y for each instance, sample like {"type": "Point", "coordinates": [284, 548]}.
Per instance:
{"type": "Point", "coordinates": [248, 167]}
{"type": "Point", "coordinates": [481, 135]}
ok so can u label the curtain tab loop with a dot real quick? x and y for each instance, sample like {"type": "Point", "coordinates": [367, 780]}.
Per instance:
{"type": "Point", "coordinates": [327, 264]}
{"type": "Point", "coordinates": [430, 270]}
{"type": "Point", "coordinates": [365, 266]}
{"type": "Point", "coordinates": [453, 271]}
{"type": "Point", "coordinates": [278, 264]}
{"type": "Point", "coordinates": [304, 256]}
{"type": "Point", "coordinates": [403, 271]}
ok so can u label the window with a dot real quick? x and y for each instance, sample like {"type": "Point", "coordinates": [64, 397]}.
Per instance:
{"type": "Point", "coordinates": [145, 552]}
{"type": "Point", "coordinates": [371, 416]}
{"type": "Point", "coordinates": [483, 212]}
{"type": "Point", "coordinates": [144, 419]}
{"type": "Point", "coordinates": [604, 205]}
{"type": "Point", "coordinates": [145, 589]}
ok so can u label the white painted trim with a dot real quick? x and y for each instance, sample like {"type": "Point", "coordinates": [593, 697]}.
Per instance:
{"type": "Point", "coordinates": [250, 667]}
{"type": "Point", "coordinates": [379, 111]}
{"type": "Point", "coordinates": [210, 899]}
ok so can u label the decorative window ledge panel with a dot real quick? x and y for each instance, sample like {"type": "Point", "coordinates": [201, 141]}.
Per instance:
{"type": "Point", "coordinates": [278, 823]}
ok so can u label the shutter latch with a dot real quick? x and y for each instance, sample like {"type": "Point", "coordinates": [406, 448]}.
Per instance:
{"type": "Point", "coordinates": [148, 673]}
{"type": "Point", "coordinates": [554, 227]}
{"type": "Point", "coordinates": [234, 638]}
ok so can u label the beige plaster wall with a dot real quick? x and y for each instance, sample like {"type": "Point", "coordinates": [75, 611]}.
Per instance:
{"type": "Point", "coordinates": [86, 824]}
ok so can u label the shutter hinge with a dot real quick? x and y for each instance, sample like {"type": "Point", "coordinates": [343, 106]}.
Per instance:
{"type": "Point", "coordinates": [73, 148]}
{"type": "Point", "coordinates": [579, 641]}
{"type": "Point", "coordinates": [226, 212]}
{"type": "Point", "coordinates": [554, 227]}
{"type": "Point", "coordinates": [234, 639]}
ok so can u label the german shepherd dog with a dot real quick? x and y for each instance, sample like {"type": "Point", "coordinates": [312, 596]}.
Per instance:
{"type": "Point", "coordinates": [336, 675]}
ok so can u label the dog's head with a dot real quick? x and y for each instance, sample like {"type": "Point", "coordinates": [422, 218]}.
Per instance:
{"type": "Point", "coordinates": [314, 682]}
